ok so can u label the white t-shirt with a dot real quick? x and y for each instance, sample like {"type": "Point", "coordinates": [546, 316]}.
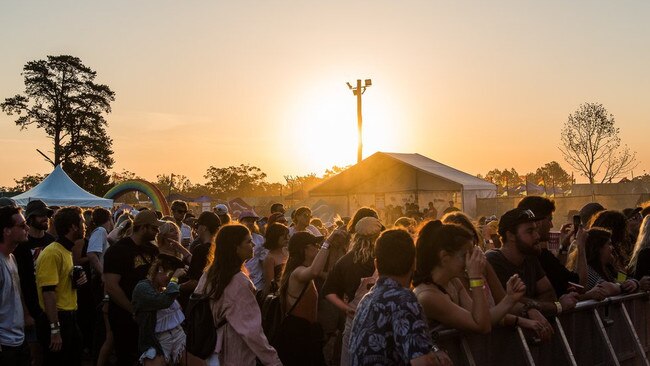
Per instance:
{"type": "Point", "coordinates": [98, 243]}
{"type": "Point", "coordinates": [12, 321]}
{"type": "Point", "coordinates": [310, 228]}
{"type": "Point", "coordinates": [254, 265]}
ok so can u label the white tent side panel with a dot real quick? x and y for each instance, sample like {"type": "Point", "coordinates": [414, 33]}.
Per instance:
{"type": "Point", "coordinates": [470, 196]}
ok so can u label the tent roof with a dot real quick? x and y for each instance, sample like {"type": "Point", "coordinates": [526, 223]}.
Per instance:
{"type": "Point", "coordinates": [57, 189]}
{"type": "Point", "coordinates": [392, 169]}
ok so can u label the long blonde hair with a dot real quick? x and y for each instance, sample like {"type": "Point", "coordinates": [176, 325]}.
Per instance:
{"type": "Point", "coordinates": [643, 241]}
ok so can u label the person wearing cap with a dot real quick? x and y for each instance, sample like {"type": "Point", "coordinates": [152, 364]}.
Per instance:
{"type": "Point", "coordinates": [126, 263]}
{"type": "Point", "coordinates": [179, 211]}
{"type": "Point", "coordinates": [37, 215]}
{"type": "Point", "coordinates": [388, 328]}
{"type": "Point", "coordinates": [345, 278]}
{"type": "Point", "coordinates": [248, 218]}
{"type": "Point", "coordinates": [14, 350]}
{"type": "Point", "coordinates": [57, 329]}
{"type": "Point", "coordinates": [222, 211]}
{"type": "Point", "coordinates": [518, 255]}
{"type": "Point", "coordinates": [207, 226]}
{"type": "Point", "coordinates": [301, 219]}
{"type": "Point", "coordinates": [557, 273]}
{"type": "Point", "coordinates": [7, 201]}
{"type": "Point", "coordinates": [299, 340]}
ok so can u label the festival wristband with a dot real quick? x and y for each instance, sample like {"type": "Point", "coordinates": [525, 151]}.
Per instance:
{"type": "Point", "coordinates": [55, 325]}
{"type": "Point", "coordinates": [326, 245]}
{"type": "Point", "coordinates": [558, 306]}
{"type": "Point", "coordinates": [174, 280]}
{"type": "Point", "coordinates": [476, 282]}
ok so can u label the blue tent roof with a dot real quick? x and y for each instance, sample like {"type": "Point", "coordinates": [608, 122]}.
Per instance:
{"type": "Point", "coordinates": [57, 189]}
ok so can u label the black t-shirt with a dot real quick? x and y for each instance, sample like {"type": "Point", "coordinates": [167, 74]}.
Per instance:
{"type": "Point", "coordinates": [130, 261]}
{"type": "Point", "coordinates": [345, 276]}
{"type": "Point", "coordinates": [199, 261]}
{"type": "Point", "coordinates": [642, 264]}
{"type": "Point", "coordinates": [25, 260]}
{"type": "Point", "coordinates": [558, 274]}
{"type": "Point", "coordinates": [530, 271]}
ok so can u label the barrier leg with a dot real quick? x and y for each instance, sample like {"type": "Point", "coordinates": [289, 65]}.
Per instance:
{"type": "Point", "coordinates": [527, 355]}
{"type": "Point", "coordinates": [565, 344]}
{"type": "Point", "coordinates": [637, 343]}
{"type": "Point", "coordinates": [603, 334]}
{"type": "Point", "coordinates": [467, 351]}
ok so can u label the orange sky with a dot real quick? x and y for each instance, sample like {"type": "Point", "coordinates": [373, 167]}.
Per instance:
{"type": "Point", "coordinates": [472, 85]}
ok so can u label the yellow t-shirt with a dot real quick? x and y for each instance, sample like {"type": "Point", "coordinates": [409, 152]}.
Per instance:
{"type": "Point", "coordinates": [54, 268]}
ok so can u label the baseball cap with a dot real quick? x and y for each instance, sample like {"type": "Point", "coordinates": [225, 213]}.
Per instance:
{"type": "Point", "coordinates": [248, 214]}
{"type": "Point", "coordinates": [147, 217]}
{"type": "Point", "coordinates": [6, 201]}
{"type": "Point", "coordinates": [589, 210]}
{"type": "Point", "coordinates": [302, 239]}
{"type": "Point", "coordinates": [221, 209]}
{"type": "Point", "coordinates": [514, 217]}
{"type": "Point", "coordinates": [38, 208]}
{"type": "Point", "coordinates": [209, 220]}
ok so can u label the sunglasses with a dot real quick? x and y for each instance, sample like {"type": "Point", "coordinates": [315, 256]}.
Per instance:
{"type": "Point", "coordinates": [526, 214]}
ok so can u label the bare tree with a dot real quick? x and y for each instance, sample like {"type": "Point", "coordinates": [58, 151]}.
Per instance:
{"type": "Point", "coordinates": [591, 145]}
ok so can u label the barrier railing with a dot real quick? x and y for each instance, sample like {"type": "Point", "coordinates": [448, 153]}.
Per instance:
{"type": "Point", "coordinates": [615, 331]}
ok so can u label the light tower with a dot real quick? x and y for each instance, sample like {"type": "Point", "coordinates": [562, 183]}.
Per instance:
{"type": "Point", "coordinates": [358, 91]}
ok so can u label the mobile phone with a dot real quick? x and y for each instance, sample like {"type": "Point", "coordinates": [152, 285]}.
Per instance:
{"type": "Point", "coordinates": [576, 224]}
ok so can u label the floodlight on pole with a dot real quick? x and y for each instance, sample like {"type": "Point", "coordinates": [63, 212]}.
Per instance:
{"type": "Point", "coordinates": [358, 91]}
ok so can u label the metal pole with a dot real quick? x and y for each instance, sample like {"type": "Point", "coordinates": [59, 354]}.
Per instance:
{"type": "Point", "coordinates": [359, 121]}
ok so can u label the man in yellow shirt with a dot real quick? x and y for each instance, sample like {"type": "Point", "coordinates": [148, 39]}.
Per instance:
{"type": "Point", "coordinates": [58, 331]}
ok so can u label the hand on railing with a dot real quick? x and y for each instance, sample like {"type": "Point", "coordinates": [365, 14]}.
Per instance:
{"type": "Point", "coordinates": [569, 301]}
{"type": "Point", "coordinates": [544, 330]}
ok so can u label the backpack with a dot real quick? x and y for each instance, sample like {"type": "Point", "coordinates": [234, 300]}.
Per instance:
{"type": "Point", "coordinates": [272, 315]}
{"type": "Point", "coordinates": [201, 332]}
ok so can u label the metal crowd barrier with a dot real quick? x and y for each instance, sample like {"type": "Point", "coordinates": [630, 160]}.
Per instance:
{"type": "Point", "coordinates": [615, 331]}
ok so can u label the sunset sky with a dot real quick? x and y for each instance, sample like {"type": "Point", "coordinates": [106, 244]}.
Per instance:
{"type": "Point", "coordinates": [475, 85]}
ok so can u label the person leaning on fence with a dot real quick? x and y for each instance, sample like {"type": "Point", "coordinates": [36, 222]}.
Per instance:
{"type": "Point", "coordinates": [444, 253]}
{"type": "Point", "coordinates": [639, 264]}
{"type": "Point", "coordinates": [389, 327]}
{"type": "Point", "coordinates": [520, 237]}
{"type": "Point", "coordinates": [602, 270]}
{"type": "Point", "coordinates": [241, 339]}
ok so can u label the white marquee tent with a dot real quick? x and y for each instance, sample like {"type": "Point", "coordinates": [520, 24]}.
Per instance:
{"type": "Point", "coordinates": [59, 190]}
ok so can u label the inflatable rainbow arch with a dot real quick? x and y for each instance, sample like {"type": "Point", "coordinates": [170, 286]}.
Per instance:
{"type": "Point", "coordinates": [140, 185]}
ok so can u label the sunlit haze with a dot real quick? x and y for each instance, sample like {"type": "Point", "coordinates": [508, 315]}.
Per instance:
{"type": "Point", "coordinates": [474, 85]}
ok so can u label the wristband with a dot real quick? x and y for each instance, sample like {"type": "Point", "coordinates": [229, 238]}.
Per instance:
{"type": "Point", "coordinates": [435, 348]}
{"type": "Point", "coordinates": [476, 282]}
{"type": "Point", "coordinates": [54, 331]}
{"type": "Point", "coordinates": [326, 245]}
{"type": "Point", "coordinates": [55, 325]}
{"type": "Point", "coordinates": [174, 280]}
{"type": "Point", "coordinates": [502, 322]}
{"type": "Point", "coordinates": [558, 306]}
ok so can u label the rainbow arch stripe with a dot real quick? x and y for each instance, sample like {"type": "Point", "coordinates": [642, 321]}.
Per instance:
{"type": "Point", "coordinates": [140, 185]}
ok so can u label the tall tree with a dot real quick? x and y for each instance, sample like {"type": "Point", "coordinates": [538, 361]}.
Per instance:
{"type": "Point", "coordinates": [235, 180]}
{"type": "Point", "coordinates": [552, 175]}
{"type": "Point", "coordinates": [62, 98]}
{"type": "Point", "coordinates": [591, 145]}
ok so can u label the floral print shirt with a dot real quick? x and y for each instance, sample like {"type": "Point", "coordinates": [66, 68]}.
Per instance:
{"type": "Point", "coordinates": [389, 327]}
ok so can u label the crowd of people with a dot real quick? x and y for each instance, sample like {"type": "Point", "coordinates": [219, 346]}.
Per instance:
{"type": "Point", "coordinates": [124, 287]}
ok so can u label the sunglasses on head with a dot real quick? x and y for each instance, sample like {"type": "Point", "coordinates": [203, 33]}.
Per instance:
{"type": "Point", "coordinates": [526, 214]}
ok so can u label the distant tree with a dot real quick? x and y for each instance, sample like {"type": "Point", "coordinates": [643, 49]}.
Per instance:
{"type": "Point", "coordinates": [62, 98]}
{"type": "Point", "coordinates": [552, 175]}
{"type": "Point", "coordinates": [591, 145]}
{"type": "Point", "coordinates": [645, 178]}
{"type": "Point", "coordinates": [334, 171]}
{"type": "Point", "coordinates": [27, 182]}
{"type": "Point", "coordinates": [177, 183]}
{"type": "Point", "coordinates": [89, 177]}
{"type": "Point", "coordinates": [504, 179]}
{"type": "Point", "coordinates": [123, 176]}
{"type": "Point", "coordinates": [235, 180]}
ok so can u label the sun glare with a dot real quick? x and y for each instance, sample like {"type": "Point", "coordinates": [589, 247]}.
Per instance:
{"type": "Point", "coordinates": [324, 127]}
